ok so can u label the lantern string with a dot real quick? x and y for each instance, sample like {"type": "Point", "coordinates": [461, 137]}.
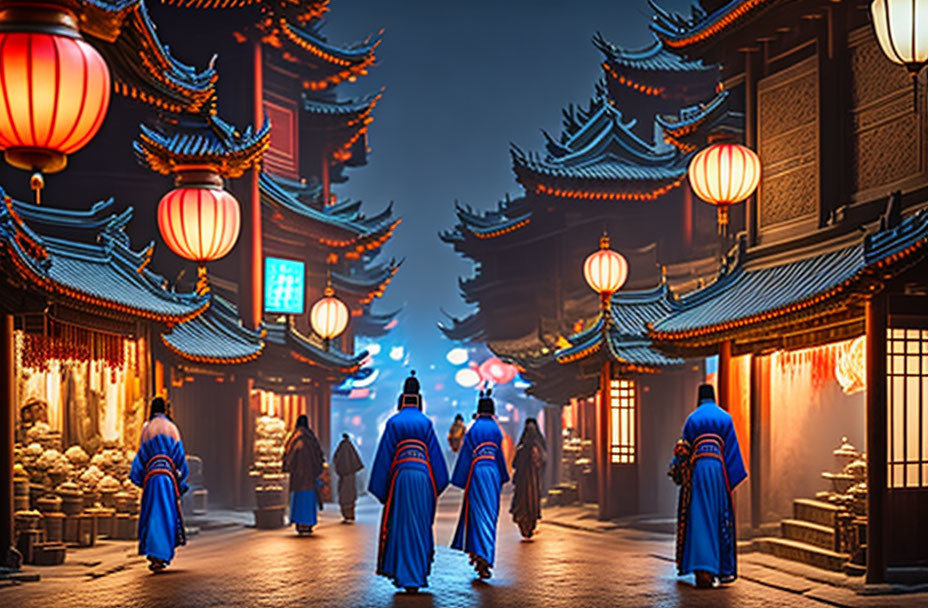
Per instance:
{"type": "Point", "coordinates": [37, 182]}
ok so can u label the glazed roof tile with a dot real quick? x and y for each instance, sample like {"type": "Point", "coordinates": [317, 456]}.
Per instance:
{"type": "Point", "coordinates": [654, 57]}
{"type": "Point", "coordinates": [216, 336]}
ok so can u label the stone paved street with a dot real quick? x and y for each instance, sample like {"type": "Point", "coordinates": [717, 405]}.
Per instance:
{"type": "Point", "coordinates": [560, 568]}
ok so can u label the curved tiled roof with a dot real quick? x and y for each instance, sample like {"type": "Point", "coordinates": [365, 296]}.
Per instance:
{"type": "Point", "coordinates": [677, 31]}
{"type": "Point", "coordinates": [216, 336]}
{"type": "Point", "coordinates": [654, 57]}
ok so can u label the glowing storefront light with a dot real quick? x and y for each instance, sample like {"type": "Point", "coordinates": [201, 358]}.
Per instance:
{"type": "Point", "coordinates": [622, 422]}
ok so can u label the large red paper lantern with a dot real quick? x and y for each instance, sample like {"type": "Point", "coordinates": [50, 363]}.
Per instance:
{"type": "Point", "coordinates": [605, 270]}
{"type": "Point", "coordinates": [724, 174]}
{"type": "Point", "coordinates": [199, 222]}
{"type": "Point", "coordinates": [54, 88]}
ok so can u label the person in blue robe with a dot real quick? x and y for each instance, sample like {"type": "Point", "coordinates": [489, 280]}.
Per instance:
{"type": "Point", "coordinates": [481, 472]}
{"type": "Point", "coordinates": [408, 475]}
{"type": "Point", "coordinates": [707, 466]}
{"type": "Point", "coordinates": [160, 469]}
{"type": "Point", "coordinates": [303, 460]}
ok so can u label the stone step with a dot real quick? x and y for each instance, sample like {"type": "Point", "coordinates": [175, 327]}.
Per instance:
{"type": "Point", "coordinates": [815, 511]}
{"type": "Point", "coordinates": [802, 552]}
{"type": "Point", "coordinates": [807, 532]}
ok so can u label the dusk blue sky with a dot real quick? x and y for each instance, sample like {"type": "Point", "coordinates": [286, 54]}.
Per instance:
{"type": "Point", "coordinates": [463, 79]}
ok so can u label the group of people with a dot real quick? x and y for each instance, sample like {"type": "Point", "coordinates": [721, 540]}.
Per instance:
{"type": "Point", "coordinates": [409, 474]}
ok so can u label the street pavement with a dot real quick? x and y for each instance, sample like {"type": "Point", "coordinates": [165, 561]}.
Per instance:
{"type": "Point", "coordinates": [335, 567]}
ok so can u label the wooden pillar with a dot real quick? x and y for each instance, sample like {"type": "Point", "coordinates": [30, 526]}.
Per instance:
{"type": "Point", "coordinates": [756, 442]}
{"type": "Point", "coordinates": [724, 374]}
{"type": "Point", "coordinates": [876, 438]}
{"type": "Point", "coordinates": [251, 284]}
{"type": "Point", "coordinates": [325, 419]}
{"type": "Point", "coordinates": [752, 73]}
{"type": "Point", "coordinates": [601, 444]}
{"type": "Point", "coordinates": [326, 182]}
{"type": "Point", "coordinates": [7, 423]}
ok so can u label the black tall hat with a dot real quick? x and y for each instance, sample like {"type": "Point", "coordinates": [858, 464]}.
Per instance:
{"type": "Point", "coordinates": [485, 404]}
{"type": "Point", "coordinates": [706, 392]}
{"type": "Point", "coordinates": [411, 386]}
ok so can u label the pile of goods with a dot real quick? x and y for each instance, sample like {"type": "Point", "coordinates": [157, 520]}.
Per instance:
{"type": "Point", "coordinates": [269, 483]}
{"type": "Point", "coordinates": [849, 483]}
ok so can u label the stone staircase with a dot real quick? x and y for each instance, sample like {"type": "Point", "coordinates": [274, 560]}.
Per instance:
{"type": "Point", "coordinates": [808, 537]}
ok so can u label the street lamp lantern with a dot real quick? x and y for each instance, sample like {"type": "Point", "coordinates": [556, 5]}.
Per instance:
{"type": "Point", "coordinates": [605, 271]}
{"type": "Point", "coordinates": [328, 316]}
{"type": "Point", "coordinates": [54, 86]}
{"type": "Point", "coordinates": [199, 220]}
{"type": "Point", "coordinates": [901, 27]}
{"type": "Point", "coordinates": [724, 174]}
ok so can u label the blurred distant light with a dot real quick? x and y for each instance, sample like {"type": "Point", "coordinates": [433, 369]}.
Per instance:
{"type": "Point", "coordinates": [396, 353]}
{"type": "Point", "coordinates": [467, 377]}
{"type": "Point", "coordinates": [356, 420]}
{"type": "Point", "coordinates": [373, 349]}
{"type": "Point", "coordinates": [457, 356]}
{"type": "Point", "coordinates": [439, 386]}
{"type": "Point", "coordinates": [509, 407]}
{"type": "Point", "coordinates": [495, 371]}
{"type": "Point", "coordinates": [503, 418]}
{"type": "Point", "coordinates": [391, 324]}
{"type": "Point", "coordinates": [359, 393]}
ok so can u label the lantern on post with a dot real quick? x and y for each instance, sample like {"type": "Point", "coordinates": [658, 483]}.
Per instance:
{"type": "Point", "coordinates": [199, 220]}
{"type": "Point", "coordinates": [724, 174]}
{"type": "Point", "coordinates": [901, 27]}
{"type": "Point", "coordinates": [605, 271]}
{"type": "Point", "coordinates": [55, 86]}
{"type": "Point", "coordinates": [329, 315]}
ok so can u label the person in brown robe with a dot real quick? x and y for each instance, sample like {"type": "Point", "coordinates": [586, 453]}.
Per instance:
{"type": "Point", "coordinates": [303, 459]}
{"type": "Point", "coordinates": [347, 464]}
{"type": "Point", "coordinates": [528, 466]}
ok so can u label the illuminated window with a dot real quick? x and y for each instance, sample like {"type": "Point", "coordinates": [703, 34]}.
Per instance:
{"type": "Point", "coordinates": [907, 403]}
{"type": "Point", "coordinates": [622, 421]}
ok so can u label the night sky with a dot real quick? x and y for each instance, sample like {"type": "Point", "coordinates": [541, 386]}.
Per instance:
{"type": "Point", "coordinates": [463, 79]}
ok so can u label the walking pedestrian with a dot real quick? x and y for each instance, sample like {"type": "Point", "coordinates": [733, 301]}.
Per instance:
{"type": "Point", "coordinates": [160, 469]}
{"type": "Point", "coordinates": [481, 472]}
{"type": "Point", "coordinates": [408, 475]}
{"type": "Point", "coordinates": [303, 459]}
{"type": "Point", "coordinates": [347, 464]}
{"type": "Point", "coordinates": [707, 466]}
{"type": "Point", "coordinates": [456, 433]}
{"type": "Point", "coordinates": [528, 466]}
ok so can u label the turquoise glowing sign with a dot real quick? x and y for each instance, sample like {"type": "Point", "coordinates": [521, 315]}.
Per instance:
{"type": "Point", "coordinates": [284, 286]}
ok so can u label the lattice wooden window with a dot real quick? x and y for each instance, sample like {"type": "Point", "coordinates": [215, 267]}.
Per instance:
{"type": "Point", "coordinates": [907, 403]}
{"type": "Point", "coordinates": [622, 415]}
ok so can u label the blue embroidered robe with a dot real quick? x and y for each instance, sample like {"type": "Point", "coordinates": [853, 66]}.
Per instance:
{"type": "Point", "coordinates": [480, 471]}
{"type": "Point", "coordinates": [408, 475]}
{"type": "Point", "coordinates": [708, 465]}
{"type": "Point", "coordinates": [160, 469]}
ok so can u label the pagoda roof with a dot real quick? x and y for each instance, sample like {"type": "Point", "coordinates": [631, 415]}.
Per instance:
{"type": "Point", "coordinates": [342, 107]}
{"type": "Point", "coordinates": [352, 230]}
{"type": "Point", "coordinates": [602, 159]}
{"type": "Point", "coordinates": [217, 337]}
{"type": "Point", "coordinates": [142, 67]}
{"type": "Point", "coordinates": [754, 294]}
{"type": "Point", "coordinates": [465, 329]}
{"type": "Point", "coordinates": [691, 128]}
{"type": "Point", "coordinates": [509, 216]}
{"type": "Point", "coordinates": [372, 324]}
{"type": "Point", "coordinates": [346, 123]}
{"type": "Point", "coordinates": [369, 281]}
{"type": "Point", "coordinates": [301, 10]}
{"type": "Point", "coordinates": [198, 141]}
{"type": "Point", "coordinates": [85, 257]}
{"type": "Point", "coordinates": [311, 350]}
{"type": "Point", "coordinates": [686, 33]}
{"type": "Point", "coordinates": [625, 325]}
{"type": "Point", "coordinates": [652, 58]}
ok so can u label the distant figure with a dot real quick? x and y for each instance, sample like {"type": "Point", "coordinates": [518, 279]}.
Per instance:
{"type": "Point", "coordinates": [480, 471]}
{"type": "Point", "coordinates": [408, 475]}
{"type": "Point", "coordinates": [527, 469]}
{"type": "Point", "coordinates": [707, 466]}
{"type": "Point", "coordinates": [456, 433]}
{"type": "Point", "coordinates": [160, 469]}
{"type": "Point", "coordinates": [303, 459]}
{"type": "Point", "coordinates": [347, 464]}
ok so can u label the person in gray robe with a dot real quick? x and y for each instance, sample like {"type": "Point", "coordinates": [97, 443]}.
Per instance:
{"type": "Point", "coordinates": [347, 464]}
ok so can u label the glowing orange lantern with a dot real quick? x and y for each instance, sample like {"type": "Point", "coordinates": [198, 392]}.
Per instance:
{"type": "Point", "coordinates": [329, 315]}
{"type": "Point", "coordinates": [724, 174]}
{"type": "Point", "coordinates": [54, 87]}
{"type": "Point", "coordinates": [199, 220]}
{"type": "Point", "coordinates": [605, 270]}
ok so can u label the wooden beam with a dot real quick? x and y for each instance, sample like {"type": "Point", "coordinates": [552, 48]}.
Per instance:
{"type": "Point", "coordinates": [723, 375]}
{"type": "Point", "coordinates": [756, 444]}
{"type": "Point", "coordinates": [876, 438]}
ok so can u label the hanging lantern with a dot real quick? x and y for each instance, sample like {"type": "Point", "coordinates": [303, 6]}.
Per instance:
{"type": "Point", "coordinates": [605, 271]}
{"type": "Point", "coordinates": [198, 220]}
{"type": "Point", "coordinates": [54, 87]}
{"type": "Point", "coordinates": [901, 28]}
{"type": "Point", "coordinates": [329, 316]}
{"type": "Point", "coordinates": [724, 174]}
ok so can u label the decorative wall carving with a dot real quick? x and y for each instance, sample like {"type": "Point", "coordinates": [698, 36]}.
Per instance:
{"type": "Point", "coordinates": [788, 142]}
{"type": "Point", "coordinates": [886, 139]}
